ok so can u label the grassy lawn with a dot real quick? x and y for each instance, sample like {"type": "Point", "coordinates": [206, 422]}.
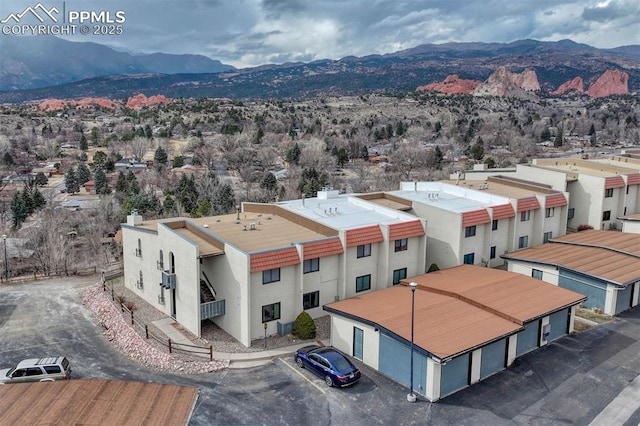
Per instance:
{"type": "Point", "coordinates": [592, 316]}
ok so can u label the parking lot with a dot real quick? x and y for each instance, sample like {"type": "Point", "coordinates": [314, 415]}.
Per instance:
{"type": "Point", "coordinates": [568, 382]}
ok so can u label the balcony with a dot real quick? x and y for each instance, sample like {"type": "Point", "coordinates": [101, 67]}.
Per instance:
{"type": "Point", "coordinates": [168, 280]}
{"type": "Point", "coordinates": [212, 309]}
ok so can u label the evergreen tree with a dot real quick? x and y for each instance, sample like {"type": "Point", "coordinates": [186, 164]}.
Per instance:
{"type": "Point", "coordinates": [7, 159]}
{"type": "Point", "coordinates": [132, 183]}
{"type": "Point", "coordinates": [37, 199]}
{"type": "Point", "coordinates": [160, 157]}
{"type": "Point", "coordinates": [343, 157]}
{"type": "Point", "coordinates": [121, 184]}
{"type": "Point", "coordinates": [100, 182]}
{"type": "Point", "coordinates": [364, 153]}
{"type": "Point", "coordinates": [41, 179]}
{"type": "Point", "coordinates": [18, 211]}
{"type": "Point", "coordinates": [293, 154]}
{"type": "Point", "coordinates": [311, 182]}
{"type": "Point", "coordinates": [83, 174]}
{"type": "Point", "coordinates": [178, 161]}
{"type": "Point", "coordinates": [269, 182]}
{"type": "Point", "coordinates": [224, 200]}
{"type": "Point", "coordinates": [100, 160]}
{"type": "Point", "coordinates": [186, 193]}
{"type": "Point", "coordinates": [84, 144]}
{"type": "Point", "coordinates": [558, 140]}
{"type": "Point", "coordinates": [148, 133]}
{"type": "Point", "coordinates": [477, 151]}
{"type": "Point", "coordinates": [71, 182]}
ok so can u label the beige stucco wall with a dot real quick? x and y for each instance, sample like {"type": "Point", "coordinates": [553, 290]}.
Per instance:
{"type": "Point", "coordinates": [549, 273]}
{"type": "Point", "coordinates": [342, 339]}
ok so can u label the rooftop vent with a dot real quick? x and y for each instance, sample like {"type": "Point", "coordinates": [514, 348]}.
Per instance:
{"type": "Point", "coordinates": [252, 226]}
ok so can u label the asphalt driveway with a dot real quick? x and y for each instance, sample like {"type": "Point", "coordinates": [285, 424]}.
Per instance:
{"type": "Point", "coordinates": [568, 382]}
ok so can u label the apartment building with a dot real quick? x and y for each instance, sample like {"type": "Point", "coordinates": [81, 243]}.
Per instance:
{"type": "Point", "coordinates": [600, 191]}
{"type": "Point", "coordinates": [261, 267]}
{"type": "Point", "coordinates": [474, 222]}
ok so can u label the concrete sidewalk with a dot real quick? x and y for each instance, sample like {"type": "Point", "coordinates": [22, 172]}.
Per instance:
{"type": "Point", "coordinates": [237, 360]}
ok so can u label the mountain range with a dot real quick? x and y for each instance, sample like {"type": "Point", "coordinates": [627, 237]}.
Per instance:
{"type": "Point", "coordinates": [57, 68]}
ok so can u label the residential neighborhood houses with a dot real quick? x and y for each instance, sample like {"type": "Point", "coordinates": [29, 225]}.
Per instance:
{"type": "Point", "coordinates": [353, 255]}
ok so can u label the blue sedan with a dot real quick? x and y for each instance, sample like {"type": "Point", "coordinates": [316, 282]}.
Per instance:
{"type": "Point", "coordinates": [329, 363]}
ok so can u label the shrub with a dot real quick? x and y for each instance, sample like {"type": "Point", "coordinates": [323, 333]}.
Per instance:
{"type": "Point", "coordinates": [584, 227]}
{"type": "Point", "coordinates": [304, 327]}
{"type": "Point", "coordinates": [434, 267]}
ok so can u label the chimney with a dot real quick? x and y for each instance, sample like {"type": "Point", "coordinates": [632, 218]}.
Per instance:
{"type": "Point", "coordinates": [134, 219]}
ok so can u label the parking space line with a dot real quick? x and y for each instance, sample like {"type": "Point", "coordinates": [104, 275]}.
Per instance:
{"type": "Point", "coordinates": [293, 368]}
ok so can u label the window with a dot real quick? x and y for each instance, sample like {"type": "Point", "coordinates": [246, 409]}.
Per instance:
{"type": "Point", "coordinates": [34, 371]}
{"type": "Point", "coordinates": [364, 250]}
{"type": "Point", "coordinates": [139, 248]}
{"type": "Point", "coordinates": [363, 283]}
{"type": "Point", "coordinates": [549, 211]}
{"type": "Point", "coordinates": [271, 276]}
{"type": "Point", "coordinates": [547, 236]}
{"type": "Point", "coordinates": [525, 215]}
{"type": "Point", "coordinates": [606, 215]}
{"type": "Point", "coordinates": [492, 255]}
{"type": "Point", "coordinates": [494, 225]}
{"type": "Point", "coordinates": [523, 241]}
{"type": "Point", "coordinates": [571, 213]}
{"type": "Point", "coordinates": [140, 282]}
{"type": "Point", "coordinates": [160, 263]}
{"type": "Point", "coordinates": [271, 312]}
{"type": "Point", "coordinates": [311, 265]}
{"type": "Point", "coordinates": [469, 231]}
{"type": "Point", "coordinates": [401, 245]}
{"type": "Point", "coordinates": [311, 300]}
{"type": "Point", "coordinates": [469, 259]}
{"type": "Point", "coordinates": [627, 189]}
{"type": "Point", "coordinates": [399, 274]}
{"type": "Point", "coordinates": [536, 273]}
{"type": "Point", "coordinates": [52, 369]}
{"type": "Point", "coordinates": [608, 193]}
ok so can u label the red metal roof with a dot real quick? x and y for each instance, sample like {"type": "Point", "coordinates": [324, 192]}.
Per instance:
{"type": "Point", "coordinates": [529, 203]}
{"type": "Point", "coordinates": [366, 235]}
{"type": "Point", "coordinates": [613, 182]}
{"type": "Point", "coordinates": [274, 259]}
{"type": "Point", "coordinates": [555, 200]}
{"type": "Point", "coordinates": [405, 230]}
{"type": "Point", "coordinates": [503, 211]}
{"type": "Point", "coordinates": [633, 179]}
{"type": "Point", "coordinates": [322, 248]}
{"type": "Point", "coordinates": [475, 217]}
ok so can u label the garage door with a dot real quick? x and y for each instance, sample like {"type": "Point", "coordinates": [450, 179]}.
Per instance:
{"type": "Point", "coordinates": [455, 375]}
{"type": "Point", "coordinates": [528, 338]}
{"type": "Point", "coordinates": [559, 322]}
{"type": "Point", "coordinates": [594, 290]}
{"type": "Point", "coordinates": [394, 362]}
{"type": "Point", "coordinates": [623, 301]}
{"type": "Point", "coordinates": [493, 358]}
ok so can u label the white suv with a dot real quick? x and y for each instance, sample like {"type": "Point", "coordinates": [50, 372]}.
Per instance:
{"type": "Point", "coordinates": [37, 370]}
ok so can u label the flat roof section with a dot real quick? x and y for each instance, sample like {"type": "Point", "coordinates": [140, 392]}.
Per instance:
{"type": "Point", "coordinates": [96, 401]}
{"type": "Point", "coordinates": [248, 231]}
{"type": "Point", "coordinates": [345, 212]}
{"type": "Point", "coordinates": [587, 167]}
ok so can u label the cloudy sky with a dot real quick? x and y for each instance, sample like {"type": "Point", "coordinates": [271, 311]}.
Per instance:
{"type": "Point", "coordinates": [247, 33]}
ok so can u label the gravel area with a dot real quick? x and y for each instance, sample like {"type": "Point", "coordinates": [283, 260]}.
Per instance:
{"type": "Point", "coordinates": [154, 353]}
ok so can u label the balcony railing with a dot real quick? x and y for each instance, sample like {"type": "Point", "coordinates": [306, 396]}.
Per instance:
{"type": "Point", "coordinates": [212, 309]}
{"type": "Point", "coordinates": [168, 280]}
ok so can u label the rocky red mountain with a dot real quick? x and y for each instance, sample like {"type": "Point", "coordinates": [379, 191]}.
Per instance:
{"type": "Point", "coordinates": [612, 82]}
{"type": "Point", "coordinates": [451, 85]}
{"type": "Point", "coordinates": [576, 86]}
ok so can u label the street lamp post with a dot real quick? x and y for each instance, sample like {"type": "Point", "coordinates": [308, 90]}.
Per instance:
{"type": "Point", "coordinates": [411, 397]}
{"type": "Point", "coordinates": [6, 266]}
{"type": "Point", "coordinates": [265, 334]}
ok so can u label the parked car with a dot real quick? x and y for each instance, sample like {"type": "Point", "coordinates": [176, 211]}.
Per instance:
{"type": "Point", "coordinates": [45, 369]}
{"type": "Point", "coordinates": [329, 363]}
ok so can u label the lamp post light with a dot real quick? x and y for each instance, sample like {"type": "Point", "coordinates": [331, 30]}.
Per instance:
{"type": "Point", "coordinates": [411, 397]}
{"type": "Point", "coordinates": [265, 334]}
{"type": "Point", "coordinates": [6, 266]}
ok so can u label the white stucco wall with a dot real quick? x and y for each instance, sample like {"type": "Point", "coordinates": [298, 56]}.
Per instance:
{"type": "Point", "coordinates": [631, 226]}
{"type": "Point", "coordinates": [549, 273]}
{"type": "Point", "coordinates": [342, 338]}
